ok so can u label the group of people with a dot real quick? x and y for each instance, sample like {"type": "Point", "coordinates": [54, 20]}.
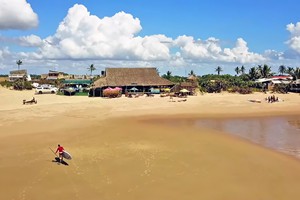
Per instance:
{"type": "Point", "coordinates": [272, 99]}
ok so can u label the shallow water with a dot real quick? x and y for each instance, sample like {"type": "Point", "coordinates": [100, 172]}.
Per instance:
{"type": "Point", "coordinates": [279, 133]}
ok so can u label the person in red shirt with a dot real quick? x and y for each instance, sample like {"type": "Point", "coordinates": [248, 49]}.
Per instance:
{"type": "Point", "coordinates": [60, 150]}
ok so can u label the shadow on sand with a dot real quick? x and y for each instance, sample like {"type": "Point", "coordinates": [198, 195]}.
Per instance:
{"type": "Point", "coordinates": [57, 160]}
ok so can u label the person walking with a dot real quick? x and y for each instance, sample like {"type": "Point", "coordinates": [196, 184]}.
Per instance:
{"type": "Point", "coordinates": [60, 149]}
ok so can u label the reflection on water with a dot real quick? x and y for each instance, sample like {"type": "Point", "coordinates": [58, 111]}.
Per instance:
{"type": "Point", "coordinates": [279, 133]}
{"type": "Point", "coordinates": [295, 123]}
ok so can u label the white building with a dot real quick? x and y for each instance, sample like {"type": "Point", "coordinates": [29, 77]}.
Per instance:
{"type": "Point", "coordinates": [18, 74]}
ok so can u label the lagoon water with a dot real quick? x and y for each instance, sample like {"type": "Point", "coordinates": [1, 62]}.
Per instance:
{"type": "Point", "coordinates": [278, 133]}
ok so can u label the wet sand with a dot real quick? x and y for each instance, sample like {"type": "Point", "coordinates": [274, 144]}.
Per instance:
{"type": "Point", "coordinates": [121, 152]}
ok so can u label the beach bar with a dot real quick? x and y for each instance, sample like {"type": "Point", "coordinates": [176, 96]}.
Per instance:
{"type": "Point", "coordinates": [138, 80]}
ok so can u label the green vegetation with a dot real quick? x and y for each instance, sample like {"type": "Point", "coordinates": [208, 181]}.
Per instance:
{"type": "Point", "coordinates": [6, 84]}
{"type": "Point", "coordinates": [174, 79]}
{"type": "Point", "coordinates": [85, 93]}
{"type": "Point", "coordinates": [217, 83]}
{"type": "Point", "coordinates": [281, 88]}
{"type": "Point", "coordinates": [35, 76]}
{"type": "Point", "coordinates": [242, 82]}
{"type": "Point", "coordinates": [18, 85]}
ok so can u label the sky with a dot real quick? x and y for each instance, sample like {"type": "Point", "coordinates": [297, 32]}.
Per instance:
{"type": "Point", "coordinates": [170, 35]}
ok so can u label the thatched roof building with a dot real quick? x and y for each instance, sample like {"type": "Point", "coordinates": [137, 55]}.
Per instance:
{"type": "Point", "coordinates": [131, 77]}
{"type": "Point", "coordinates": [126, 78]}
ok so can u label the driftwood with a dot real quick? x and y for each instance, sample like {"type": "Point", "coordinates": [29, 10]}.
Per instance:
{"type": "Point", "coordinates": [182, 100]}
{"type": "Point", "coordinates": [32, 101]}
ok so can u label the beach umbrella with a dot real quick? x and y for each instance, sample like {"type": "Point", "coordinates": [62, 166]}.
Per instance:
{"type": "Point", "coordinates": [117, 88]}
{"type": "Point", "coordinates": [107, 89]}
{"type": "Point", "coordinates": [133, 89]}
{"type": "Point", "coordinates": [184, 91]}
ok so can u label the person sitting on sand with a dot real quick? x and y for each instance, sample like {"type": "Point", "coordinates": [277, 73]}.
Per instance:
{"type": "Point", "coordinates": [60, 150]}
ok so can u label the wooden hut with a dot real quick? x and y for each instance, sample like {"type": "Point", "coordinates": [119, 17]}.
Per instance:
{"type": "Point", "coordinates": [191, 84]}
{"type": "Point", "coordinates": [143, 79]}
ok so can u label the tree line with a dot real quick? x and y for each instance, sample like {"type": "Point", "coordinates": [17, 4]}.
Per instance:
{"type": "Point", "coordinates": [241, 82]}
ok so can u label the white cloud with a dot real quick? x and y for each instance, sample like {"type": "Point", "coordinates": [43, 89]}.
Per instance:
{"type": "Point", "coordinates": [274, 55]}
{"type": "Point", "coordinates": [115, 41]}
{"type": "Point", "coordinates": [294, 41]}
{"type": "Point", "coordinates": [30, 41]}
{"type": "Point", "coordinates": [240, 53]}
{"type": "Point", "coordinates": [25, 41]}
{"type": "Point", "coordinates": [84, 36]}
{"type": "Point", "coordinates": [211, 50]}
{"type": "Point", "coordinates": [294, 29]}
{"type": "Point", "coordinates": [4, 53]}
{"type": "Point", "coordinates": [177, 60]}
{"type": "Point", "coordinates": [17, 14]}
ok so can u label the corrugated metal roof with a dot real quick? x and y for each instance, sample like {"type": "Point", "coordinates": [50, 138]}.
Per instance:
{"type": "Point", "coordinates": [77, 81]}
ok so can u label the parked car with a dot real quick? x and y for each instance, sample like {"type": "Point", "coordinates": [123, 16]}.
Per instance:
{"type": "Point", "coordinates": [46, 89]}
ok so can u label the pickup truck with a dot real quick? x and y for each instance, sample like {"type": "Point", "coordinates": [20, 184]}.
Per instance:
{"type": "Point", "coordinates": [43, 90]}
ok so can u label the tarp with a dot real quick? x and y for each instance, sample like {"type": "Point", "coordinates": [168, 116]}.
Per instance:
{"type": "Point", "coordinates": [77, 81]}
{"type": "Point", "coordinates": [154, 91]}
{"type": "Point", "coordinates": [184, 91]}
{"type": "Point", "coordinates": [117, 88]}
{"type": "Point", "coordinates": [133, 89]}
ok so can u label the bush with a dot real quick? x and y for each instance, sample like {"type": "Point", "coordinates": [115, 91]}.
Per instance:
{"type": "Point", "coordinates": [22, 85]}
{"type": "Point", "coordinates": [245, 90]}
{"type": "Point", "coordinates": [233, 89]}
{"type": "Point", "coordinates": [281, 88]}
{"type": "Point", "coordinates": [240, 90]}
{"type": "Point", "coordinates": [6, 84]}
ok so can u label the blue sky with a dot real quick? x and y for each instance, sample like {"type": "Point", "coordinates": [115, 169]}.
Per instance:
{"type": "Point", "coordinates": [172, 35]}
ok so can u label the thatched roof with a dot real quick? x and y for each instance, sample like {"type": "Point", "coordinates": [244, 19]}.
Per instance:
{"type": "Point", "coordinates": [131, 76]}
{"type": "Point", "coordinates": [18, 72]}
{"type": "Point", "coordinates": [189, 84]}
{"type": "Point", "coordinates": [192, 77]}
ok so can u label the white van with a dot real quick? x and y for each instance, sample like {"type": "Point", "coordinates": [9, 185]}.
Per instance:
{"type": "Point", "coordinates": [46, 89]}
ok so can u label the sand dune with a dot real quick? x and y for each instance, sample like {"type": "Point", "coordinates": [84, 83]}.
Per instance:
{"type": "Point", "coordinates": [121, 153]}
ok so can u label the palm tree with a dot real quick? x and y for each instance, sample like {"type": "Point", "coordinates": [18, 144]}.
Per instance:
{"type": "Point", "coordinates": [267, 72]}
{"type": "Point", "coordinates": [91, 68]}
{"type": "Point", "coordinates": [169, 74]}
{"type": "Point", "coordinates": [242, 70]}
{"type": "Point", "coordinates": [259, 71]}
{"type": "Point", "coordinates": [282, 69]}
{"type": "Point", "coordinates": [191, 73]}
{"type": "Point", "coordinates": [218, 70]}
{"type": "Point", "coordinates": [296, 73]}
{"type": "Point", "coordinates": [237, 70]}
{"type": "Point", "coordinates": [264, 71]}
{"type": "Point", "coordinates": [253, 73]}
{"type": "Point", "coordinates": [19, 62]}
{"type": "Point", "coordinates": [289, 70]}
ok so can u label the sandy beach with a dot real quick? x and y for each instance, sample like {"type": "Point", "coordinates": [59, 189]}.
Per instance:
{"type": "Point", "coordinates": [121, 152]}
